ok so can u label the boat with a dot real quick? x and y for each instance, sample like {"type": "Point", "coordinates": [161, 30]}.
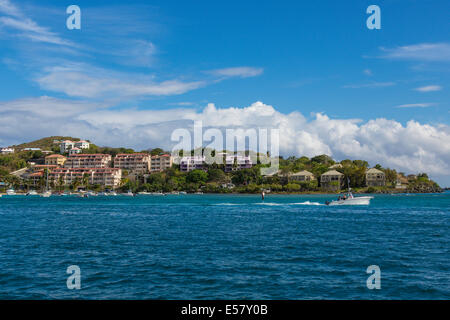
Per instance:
{"type": "Point", "coordinates": [112, 193]}
{"type": "Point", "coordinates": [32, 193]}
{"type": "Point", "coordinates": [348, 199]}
{"type": "Point", "coordinates": [129, 194]}
{"type": "Point", "coordinates": [47, 193]}
{"type": "Point", "coordinates": [11, 192]}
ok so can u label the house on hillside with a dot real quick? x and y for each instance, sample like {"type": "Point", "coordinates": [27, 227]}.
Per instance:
{"type": "Point", "coordinates": [336, 166]}
{"type": "Point", "coordinates": [402, 182]}
{"type": "Point", "coordinates": [331, 180]}
{"type": "Point", "coordinates": [302, 176]}
{"type": "Point", "coordinates": [375, 178]}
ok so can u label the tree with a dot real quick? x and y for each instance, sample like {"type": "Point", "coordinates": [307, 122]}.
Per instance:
{"type": "Point", "coordinates": [391, 176]}
{"type": "Point", "coordinates": [323, 159]}
{"type": "Point", "coordinates": [156, 151]}
{"type": "Point", "coordinates": [197, 176]}
{"type": "Point", "coordinates": [216, 175]}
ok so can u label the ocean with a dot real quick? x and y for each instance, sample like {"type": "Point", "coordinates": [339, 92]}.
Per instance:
{"type": "Point", "coordinates": [224, 247]}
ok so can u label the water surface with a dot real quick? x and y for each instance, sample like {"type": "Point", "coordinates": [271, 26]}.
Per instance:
{"type": "Point", "coordinates": [224, 247]}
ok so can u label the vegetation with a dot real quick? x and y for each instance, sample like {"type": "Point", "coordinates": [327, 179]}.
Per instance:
{"type": "Point", "coordinates": [214, 179]}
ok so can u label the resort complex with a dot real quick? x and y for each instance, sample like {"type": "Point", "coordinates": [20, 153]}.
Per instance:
{"type": "Point", "coordinates": [69, 164]}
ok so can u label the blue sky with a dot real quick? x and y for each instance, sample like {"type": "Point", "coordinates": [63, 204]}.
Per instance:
{"type": "Point", "coordinates": [175, 57]}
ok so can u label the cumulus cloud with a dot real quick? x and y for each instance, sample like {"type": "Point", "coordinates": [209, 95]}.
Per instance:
{"type": "Point", "coordinates": [413, 147]}
{"type": "Point", "coordinates": [429, 88]}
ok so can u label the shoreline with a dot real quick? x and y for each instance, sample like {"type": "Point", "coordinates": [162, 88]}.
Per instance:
{"type": "Point", "coordinates": [244, 193]}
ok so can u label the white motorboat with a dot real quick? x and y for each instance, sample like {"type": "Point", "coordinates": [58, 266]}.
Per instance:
{"type": "Point", "coordinates": [129, 194]}
{"type": "Point", "coordinates": [11, 192]}
{"type": "Point", "coordinates": [32, 193]}
{"type": "Point", "coordinates": [349, 199]}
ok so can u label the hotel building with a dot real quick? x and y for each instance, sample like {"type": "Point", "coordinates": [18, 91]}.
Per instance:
{"type": "Point", "coordinates": [161, 163]}
{"type": "Point", "coordinates": [67, 145]}
{"type": "Point", "coordinates": [233, 163]}
{"type": "Point", "coordinates": [191, 163]}
{"type": "Point", "coordinates": [95, 160]}
{"type": "Point", "coordinates": [108, 177]}
{"type": "Point", "coordinates": [55, 160]}
{"type": "Point", "coordinates": [138, 162]}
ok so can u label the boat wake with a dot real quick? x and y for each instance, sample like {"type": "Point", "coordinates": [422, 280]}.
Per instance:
{"type": "Point", "coordinates": [306, 203]}
{"type": "Point", "coordinates": [309, 203]}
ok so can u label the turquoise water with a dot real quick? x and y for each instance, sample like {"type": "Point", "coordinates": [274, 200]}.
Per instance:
{"type": "Point", "coordinates": [224, 247]}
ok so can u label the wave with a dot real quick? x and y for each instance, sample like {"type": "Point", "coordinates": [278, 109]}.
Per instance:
{"type": "Point", "coordinates": [309, 203]}
{"type": "Point", "coordinates": [306, 203]}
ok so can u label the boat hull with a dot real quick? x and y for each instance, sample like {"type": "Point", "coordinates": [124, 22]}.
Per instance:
{"type": "Point", "coordinates": [358, 201]}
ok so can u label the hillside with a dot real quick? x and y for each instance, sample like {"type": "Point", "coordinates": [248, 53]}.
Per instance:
{"type": "Point", "coordinates": [44, 143]}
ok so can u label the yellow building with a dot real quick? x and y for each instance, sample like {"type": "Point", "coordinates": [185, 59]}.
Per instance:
{"type": "Point", "coordinates": [55, 160]}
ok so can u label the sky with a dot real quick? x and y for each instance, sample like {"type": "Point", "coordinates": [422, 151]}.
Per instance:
{"type": "Point", "coordinates": [138, 70]}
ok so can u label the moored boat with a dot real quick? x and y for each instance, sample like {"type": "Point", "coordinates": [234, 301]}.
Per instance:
{"type": "Point", "coordinates": [46, 194]}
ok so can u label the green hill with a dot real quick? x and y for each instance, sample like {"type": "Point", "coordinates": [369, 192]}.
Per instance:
{"type": "Point", "coordinates": [44, 143]}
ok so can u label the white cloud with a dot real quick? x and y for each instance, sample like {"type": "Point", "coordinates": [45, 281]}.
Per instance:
{"type": "Point", "coordinates": [27, 28]}
{"type": "Point", "coordinates": [368, 72]}
{"type": "Point", "coordinates": [8, 8]}
{"type": "Point", "coordinates": [413, 147]}
{"type": "Point", "coordinates": [416, 105]}
{"type": "Point", "coordinates": [429, 88]}
{"type": "Point", "coordinates": [420, 52]}
{"type": "Point", "coordinates": [243, 72]}
{"type": "Point", "coordinates": [80, 80]}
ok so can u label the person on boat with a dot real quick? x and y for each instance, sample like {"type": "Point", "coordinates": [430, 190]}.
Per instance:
{"type": "Point", "coordinates": [262, 195]}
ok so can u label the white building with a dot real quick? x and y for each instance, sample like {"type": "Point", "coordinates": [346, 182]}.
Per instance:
{"type": "Point", "coordinates": [191, 163]}
{"type": "Point", "coordinates": [74, 150]}
{"type": "Point", "coordinates": [237, 162]}
{"type": "Point", "coordinates": [66, 145]}
{"type": "Point", "coordinates": [6, 150]}
{"type": "Point", "coordinates": [82, 144]}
